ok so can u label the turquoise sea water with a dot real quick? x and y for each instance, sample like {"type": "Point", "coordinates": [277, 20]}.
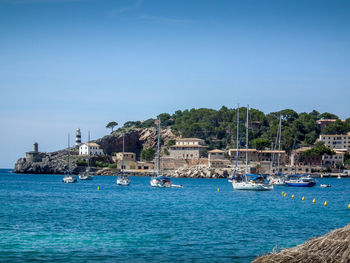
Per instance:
{"type": "Point", "coordinates": [43, 219]}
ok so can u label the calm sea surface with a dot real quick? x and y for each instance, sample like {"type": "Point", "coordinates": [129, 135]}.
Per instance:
{"type": "Point", "coordinates": [43, 219]}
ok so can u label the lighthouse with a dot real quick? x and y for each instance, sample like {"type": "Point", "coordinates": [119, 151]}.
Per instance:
{"type": "Point", "coordinates": [77, 137]}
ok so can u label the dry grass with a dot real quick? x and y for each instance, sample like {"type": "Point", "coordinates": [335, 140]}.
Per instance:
{"type": "Point", "coordinates": [332, 247]}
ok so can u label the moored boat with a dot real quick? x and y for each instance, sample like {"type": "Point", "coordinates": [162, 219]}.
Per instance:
{"type": "Point", "coordinates": [157, 179]}
{"type": "Point", "coordinates": [252, 182]}
{"type": "Point", "coordinates": [87, 175]}
{"type": "Point", "coordinates": [304, 181]}
{"type": "Point", "coordinates": [68, 177]}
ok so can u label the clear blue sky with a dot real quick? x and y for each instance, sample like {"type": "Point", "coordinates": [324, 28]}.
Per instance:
{"type": "Point", "coordinates": [82, 63]}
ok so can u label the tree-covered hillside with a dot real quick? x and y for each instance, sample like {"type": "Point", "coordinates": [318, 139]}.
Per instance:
{"type": "Point", "coordinates": [218, 127]}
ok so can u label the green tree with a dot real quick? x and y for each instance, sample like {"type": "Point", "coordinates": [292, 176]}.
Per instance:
{"type": "Point", "coordinates": [327, 115]}
{"type": "Point", "coordinates": [111, 125]}
{"type": "Point", "coordinates": [338, 127]}
{"type": "Point", "coordinates": [171, 142]}
{"type": "Point", "coordinates": [260, 143]}
{"type": "Point", "coordinates": [318, 150]}
{"type": "Point", "coordinates": [148, 154]}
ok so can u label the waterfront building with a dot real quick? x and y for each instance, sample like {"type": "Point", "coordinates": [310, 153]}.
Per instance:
{"type": "Point", "coordinates": [336, 141]}
{"type": "Point", "coordinates": [129, 160]}
{"type": "Point", "coordinates": [90, 148]}
{"type": "Point", "coordinates": [216, 154]}
{"type": "Point", "coordinates": [255, 155]}
{"type": "Point", "coordinates": [77, 137]}
{"type": "Point", "coordinates": [332, 160]}
{"type": "Point", "coordinates": [298, 159]}
{"type": "Point", "coordinates": [216, 159]}
{"type": "Point", "coordinates": [188, 148]}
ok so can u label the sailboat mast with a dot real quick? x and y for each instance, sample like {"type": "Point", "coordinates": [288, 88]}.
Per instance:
{"type": "Point", "coordinates": [237, 153]}
{"type": "Point", "coordinates": [88, 151]}
{"type": "Point", "coordinates": [158, 149]}
{"type": "Point", "coordinates": [246, 145]}
{"type": "Point", "coordinates": [123, 154]}
{"type": "Point", "coordinates": [279, 144]}
{"type": "Point", "coordinates": [68, 154]}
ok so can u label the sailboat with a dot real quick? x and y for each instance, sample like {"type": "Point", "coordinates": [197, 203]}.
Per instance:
{"type": "Point", "coordinates": [252, 182]}
{"type": "Point", "coordinates": [86, 175]}
{"type": "Point", "coordinates": [157, 179]}
{"type": "Point", "coordinates": [235, 172]}
{"type": "Point", "coordinates": [68, 177]}
{"type": "Point", "coordinates": [278, 179]}
{"type": "Point", "coordinates": [123, 180]}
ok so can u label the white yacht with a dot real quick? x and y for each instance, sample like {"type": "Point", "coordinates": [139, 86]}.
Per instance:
{"type": "Point", "coordinates": [250, 182]}
{"type": "Point", "coordinates": [68, 177]}
{"type": "Point", "coordinates": [123, 180]}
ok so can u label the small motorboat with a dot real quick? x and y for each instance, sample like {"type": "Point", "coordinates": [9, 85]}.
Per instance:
{"type": "Point", "coordinates": [161, 181]}
{"type": "Point", "coordinates": [325, 185]}
{"type": "Point", "coordinates": [305, 181]}
{"type": "Point", "coordinates": [69, 178]}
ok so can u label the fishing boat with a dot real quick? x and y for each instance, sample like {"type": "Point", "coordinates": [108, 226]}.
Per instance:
{"type": "Point", "coordinates": [157, 179]}
{"type": "Point", "coordinates": [87, 175]}
{"type": "Point", "coordinates": [251, 182]}
{"type": "Point", "coordinates": [69, 177]}
{"type": "Point", "coordinates": [123, 180]}
{"type": "Point", "coordinates": [325, 185]}
{"type": "Point", "coordinates": [302, 181]}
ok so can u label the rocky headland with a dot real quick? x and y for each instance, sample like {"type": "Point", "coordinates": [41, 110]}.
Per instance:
{"type": "Point", "coordinates": [56, 162]}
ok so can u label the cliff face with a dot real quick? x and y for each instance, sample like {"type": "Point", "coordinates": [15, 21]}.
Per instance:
{"type": "Point", "coordinates": [56, 162]}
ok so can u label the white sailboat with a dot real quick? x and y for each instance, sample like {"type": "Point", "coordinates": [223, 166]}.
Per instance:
{"type": "Point", "coordinates": [123, 180]}
{"type": "Point", "coordinates": [254, 182]}
{"type": "Point", "coordinates": [278, 179]}
{"type": "Point", "coordinates": [68, 177]}
{"type": "Point", "coordinates": [87, 175]}
{"type": "Point", "coordinates": [157, 179]}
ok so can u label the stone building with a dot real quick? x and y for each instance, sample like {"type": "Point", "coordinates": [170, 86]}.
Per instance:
{"type": "Point", "coordinates": [216, 154]}
{"type": "Point", "coordinates": [255, 155]}
{"type": "Point", "coordinates": [188, 148]}
{"type": "Point", "coordinates": [129, 160]}
{"type": "Point", "coordinates": [331, 160]}
{"type": "Point", "coordinates": [34, 155]}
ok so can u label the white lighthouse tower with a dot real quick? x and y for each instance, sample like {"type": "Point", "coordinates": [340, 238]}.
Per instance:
{"type": "Point", "coordinates": [77, 137]}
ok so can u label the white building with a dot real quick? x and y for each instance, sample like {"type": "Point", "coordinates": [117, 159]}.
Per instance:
{"type": "Point", "coordinates": [90, 147]}
{"type": "Point", "coordinates": [336, 142]}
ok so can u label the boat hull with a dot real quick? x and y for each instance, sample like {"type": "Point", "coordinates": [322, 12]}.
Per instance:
{"type": "Point", "coordinates": [251, 186]}
{"type": "Point", "coordinates": [85, 177]}
{"type": "Point", "coordinates": [305, 184]}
